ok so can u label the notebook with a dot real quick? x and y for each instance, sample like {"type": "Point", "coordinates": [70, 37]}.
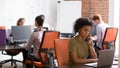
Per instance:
{"type": "Point", "coordinates": [105, 58]}
{"type": "Point", "coordinates": [21, 33]}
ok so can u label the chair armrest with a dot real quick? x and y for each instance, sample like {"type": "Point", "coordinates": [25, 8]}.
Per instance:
{"type": "Point", "coordinates": [32, 55]}
{"type": "Point", "coordinates": [52, 50]}
{"type": "Point", "coordinates": [43, 50]}
{"type": "Point", "coordinates": [50, 56]}
{"type": "Point", "coordinates": [49, 53]}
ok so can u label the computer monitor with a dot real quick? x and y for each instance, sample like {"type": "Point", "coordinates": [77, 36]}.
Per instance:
{"type": "Point", "coordinates": [21, 33]}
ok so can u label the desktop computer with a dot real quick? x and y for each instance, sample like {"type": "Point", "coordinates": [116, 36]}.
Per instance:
{"type": "Point", "coordinates": [21, 34]}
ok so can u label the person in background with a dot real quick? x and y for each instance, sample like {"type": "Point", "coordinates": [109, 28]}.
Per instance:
{"type": "Point", "coordinates": [20, 21]}
{"type": "Point", "coordinates": [93, 30]}
{"type": "Point", "coordinates": [45, 26]}
{"type": "Point", "coordinates": [35, 40]}
{"type": "Point", "coordinates": [81, 46]}
{"type": "Point", "coordinates": [100, 30]}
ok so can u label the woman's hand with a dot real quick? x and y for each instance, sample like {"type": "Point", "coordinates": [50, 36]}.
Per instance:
{"type": "Point", "coordinates": [89, 40]}
{"type": "Point", "coordinates": [94, 60]}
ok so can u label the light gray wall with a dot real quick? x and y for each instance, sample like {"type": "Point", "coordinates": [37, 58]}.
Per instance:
{"type": "Point", "coordinates": [12, 10]}
{"type": "Point", "coordinates": [52, 14]}
{"type": "Point", "coordinates": [114, 20]}
{"type": "Point", "coordinates": [119, 36]}
{"type": "Point", "coordinates": [114, 13]}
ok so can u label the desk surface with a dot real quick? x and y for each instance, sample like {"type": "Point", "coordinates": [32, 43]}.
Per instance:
{"type": "Point", "coordinates": [7, 47]}
{"type": "Point", "coordinates": [84, 66]}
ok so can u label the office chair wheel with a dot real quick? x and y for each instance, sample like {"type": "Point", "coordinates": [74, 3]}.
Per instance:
{"type": "Point", "coordinates": [15, 66]}
{"type": "Point", "coordinates": [0, 65]}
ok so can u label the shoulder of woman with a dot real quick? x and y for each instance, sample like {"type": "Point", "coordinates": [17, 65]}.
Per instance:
{"type": "Point", "coordinates": [73, 40]}
{"type": "Point", "coordinates": [35, 33]}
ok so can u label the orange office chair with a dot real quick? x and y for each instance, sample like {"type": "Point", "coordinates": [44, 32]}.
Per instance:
{"type": "Point", "coordinates": [61, 51]}
{"type": "Point", "coordinates": [109, 38]}
{"type": "Point", "coordinates": [47, 43]}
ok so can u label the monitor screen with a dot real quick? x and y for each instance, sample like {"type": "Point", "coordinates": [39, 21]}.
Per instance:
{"type": "Point", "coordinates": [21, 33]}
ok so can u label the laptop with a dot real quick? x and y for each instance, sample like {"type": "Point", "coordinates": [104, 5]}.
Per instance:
{"type": "Point", "coordinates": [105, 58]}
{"type": "Point", "coordinates": [21, 33]}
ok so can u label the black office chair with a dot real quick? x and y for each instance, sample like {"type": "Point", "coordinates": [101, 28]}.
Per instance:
{"type": "Point", "coordinates": [12, 53]}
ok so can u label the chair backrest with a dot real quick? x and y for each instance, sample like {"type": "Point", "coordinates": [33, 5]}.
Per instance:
{"type": "Point", "coordinates": [61, 51]}
{"type": "Point", "coordinates": [109, 38]}
{"type": "Point", "coordinates": [2, 37]}
{"type": "Point", "coordinates": [47, 42]}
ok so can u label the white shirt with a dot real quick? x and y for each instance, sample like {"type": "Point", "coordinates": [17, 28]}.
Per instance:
{"type": "Point", "coordinates": [35, 40]}
{"type": "Point", "coordinates": [100, 31]}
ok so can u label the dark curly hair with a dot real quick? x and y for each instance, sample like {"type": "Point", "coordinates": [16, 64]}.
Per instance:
{"type": "Point", "coordinates": [80, 22]}
{"type": "Point", "coordinates": [40, 19]}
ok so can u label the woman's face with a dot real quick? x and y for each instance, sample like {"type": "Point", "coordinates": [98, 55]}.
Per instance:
{"type": "Point", "coordinates": [21, 23]}
{"type": "Point", "coordinates": [84, 31]}
{"type": "Point", "coordinates": [36, 24]}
